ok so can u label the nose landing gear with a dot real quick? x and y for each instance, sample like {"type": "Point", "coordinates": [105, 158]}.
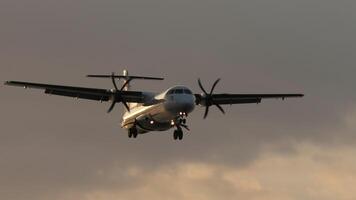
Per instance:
{"type": "Point", "coordinates": [132, 132]}
{"type": "Point", "coordinates": [180, 122]}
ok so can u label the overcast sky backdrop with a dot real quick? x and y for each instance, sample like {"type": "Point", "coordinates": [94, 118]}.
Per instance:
{"type": "Point", "coordinates": [60, 148]}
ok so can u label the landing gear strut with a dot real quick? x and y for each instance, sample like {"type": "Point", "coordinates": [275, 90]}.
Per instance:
{"type": "Point", "coordinates": [133, 132]}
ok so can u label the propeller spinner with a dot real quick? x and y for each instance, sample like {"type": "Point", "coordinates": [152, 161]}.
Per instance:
{"type": "Point", "coordinates": [116, 94]}
{"type": "Point", "coordinates": [208, 98]}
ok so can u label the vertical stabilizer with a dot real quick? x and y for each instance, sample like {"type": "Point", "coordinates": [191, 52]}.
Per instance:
{"type": "Point", "coordinates": [126, 85]}
{"type": "Point", "coordinates": [125, 73]}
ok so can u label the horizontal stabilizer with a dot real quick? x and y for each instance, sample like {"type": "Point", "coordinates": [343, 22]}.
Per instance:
{"type": "Point", "coordinates": [125, 77]}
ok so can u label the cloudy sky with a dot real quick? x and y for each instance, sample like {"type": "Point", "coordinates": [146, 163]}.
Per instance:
{"type": "Point", "coordinates": [61, 148]}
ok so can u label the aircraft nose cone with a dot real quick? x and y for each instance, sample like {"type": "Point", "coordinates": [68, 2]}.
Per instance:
{"type": "Point", "coordinates": [187, 105]}
{"type": "Point", "coordinates": [181, 104]}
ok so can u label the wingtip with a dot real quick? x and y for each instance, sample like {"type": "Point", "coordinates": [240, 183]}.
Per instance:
{"type": "Point", "coordinates": [7, 82]}
{"type": "Point", "coordinates": [90, 75]}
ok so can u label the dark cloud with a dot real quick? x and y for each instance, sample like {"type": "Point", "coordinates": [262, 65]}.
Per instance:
{"type": "Point", "coordinates": [50, 144]}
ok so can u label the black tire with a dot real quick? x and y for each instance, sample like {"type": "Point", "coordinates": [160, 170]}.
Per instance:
{"type": "Point", "coordinates": [133, 132]}
{"type": "Point", "coordinates": [175, 135]}
{"type": "Point", "coordinates": [180, 135]}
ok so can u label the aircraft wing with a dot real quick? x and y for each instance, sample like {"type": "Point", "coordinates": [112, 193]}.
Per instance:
{"type": "Point", "coordinates": [240, 98]}
{"type": "Point", "coordinates": [83, 93]}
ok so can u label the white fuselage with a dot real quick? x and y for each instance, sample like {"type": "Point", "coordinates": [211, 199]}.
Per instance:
{"type": "Point", "coordinates": [172, 105]}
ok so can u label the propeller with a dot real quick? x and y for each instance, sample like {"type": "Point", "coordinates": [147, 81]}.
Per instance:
{"type": "Point", "coordinates": [116, 94]}
{"type": "Point", "coordinates": [208, 98]}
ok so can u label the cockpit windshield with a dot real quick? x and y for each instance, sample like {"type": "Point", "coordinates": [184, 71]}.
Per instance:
{"type": "Point", "coordinates": [186, 91]}
{"type": "Point", "coordinates": [179, 91]}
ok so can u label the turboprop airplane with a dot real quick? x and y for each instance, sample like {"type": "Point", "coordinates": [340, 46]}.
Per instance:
{"type": "Point", "coordinates": [147, 111]}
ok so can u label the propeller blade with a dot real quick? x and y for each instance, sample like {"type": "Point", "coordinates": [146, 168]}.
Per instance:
{"type": "Point", "coordinates": [113, 80]}
{"type": "Point", "coordinates": [126, 106]}
{"type": "Point", "coordinates": [126, 83]}
{"type": "Point", "coordinates": [201, 87]}
{"type": "Point", "coordinates": [208, 98]}
{"type": "Point", "coordinates": [220, 108]}
{"type": "Point", "coordinates": [206, 112]}
{"type": "Point", "coordinates": [212, 88]}
{"type": "Point", "coordinates": [112, 106]}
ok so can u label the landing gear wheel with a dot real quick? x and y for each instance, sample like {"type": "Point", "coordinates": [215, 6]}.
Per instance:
{"type": "Point", "coordinates": [133, 132]}
{"type": "Point", "coordinates": [175, 134]}
{"type": "Point", "coordinates": [180, 134]}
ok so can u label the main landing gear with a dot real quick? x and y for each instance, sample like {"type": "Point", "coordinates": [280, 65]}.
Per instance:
{"type": "Point", "coordinates": [132, 132]}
